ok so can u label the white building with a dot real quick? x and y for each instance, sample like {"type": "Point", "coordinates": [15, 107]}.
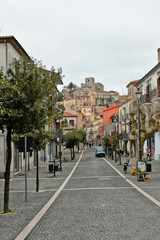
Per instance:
{"type": "Point", "coordinates": [150, 105]}
{"type": "Point", "coordinates": [11, 49]}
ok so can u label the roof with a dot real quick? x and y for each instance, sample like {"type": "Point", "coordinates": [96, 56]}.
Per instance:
{"type": "Point", "coordinates": [86, 106]}
{"type": "Point", "coordinates": [117, 105]}
{"type": "Point", "coordinates": [81, 96]}
{"type": "Point", "coordinates": [128, 100]}
{"type": "Point", "coordinates": [112, 115]}
{"type": "Point", "coordinates": [100, 107]}
{"type": "Point", "coordinates": [67, 114]}
{"type": "Point", "coordinates": [133, 82]}
{"type": "Point", "coordinates": [149, 73]}
{"type": "Point", "coordinates": [13, 41]}
{"type": "Point", "coordinates": [100, 91]}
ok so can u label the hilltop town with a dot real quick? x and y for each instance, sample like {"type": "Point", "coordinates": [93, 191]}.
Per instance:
{"type": "Point", "coordinates": [98, 112]}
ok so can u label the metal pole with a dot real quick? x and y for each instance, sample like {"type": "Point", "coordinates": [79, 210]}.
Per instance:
{"type": "Point", "coordinates": [25, 152]}
{"type": "Point", "coordinates": [60, 160]}
{"type": "Point", "coordinates": [119, 153]}
{"type": "Point", "coordinates": [139, 126]}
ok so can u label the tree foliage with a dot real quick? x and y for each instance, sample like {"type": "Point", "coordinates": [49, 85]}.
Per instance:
{"type": "Point", "coordinates": [71, 86]}
{"type": "Point", "coordinates": [146, 132]}
{"type": "Point", "coordinates": [24, 103]}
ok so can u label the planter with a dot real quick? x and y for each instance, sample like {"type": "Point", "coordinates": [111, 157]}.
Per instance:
{"type": "Point", "coordinates": [145, 179]}
{"type": "Point", "coordinates": [133, 171]}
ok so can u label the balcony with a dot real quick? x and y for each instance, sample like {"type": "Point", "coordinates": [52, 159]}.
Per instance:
{"type": "Point", "coordinates": [128, 136]}
{"type": "Point", "coordinates": [151, 96]}
{"type": "Point", "coordinates": [145, 98]}
{"type": "Point", "coordinates": [70, 127]}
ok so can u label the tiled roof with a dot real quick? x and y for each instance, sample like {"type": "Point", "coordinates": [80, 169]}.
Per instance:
{"type": "Point", "coordinates": [100, 107]}
{"type": "Point", "coordinates": [133, 82]}
{"type": "Point", "coordinates": [12, 40]}
{"type": "Point", "coordinates": [67, 114]}
{"type": "Point", "coordinates": [112, 107]}
{"type": "Point", "coordinates": [100, 91]}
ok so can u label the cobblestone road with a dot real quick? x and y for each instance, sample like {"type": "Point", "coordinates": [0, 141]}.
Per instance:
{"type": "Point", "coordinates": [96, 203]}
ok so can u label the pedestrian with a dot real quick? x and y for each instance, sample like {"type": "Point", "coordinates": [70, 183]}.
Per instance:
{"type": "Point", "coordinates": [147, 152]}
{"type": "Point", "coordinates": [125, 168]}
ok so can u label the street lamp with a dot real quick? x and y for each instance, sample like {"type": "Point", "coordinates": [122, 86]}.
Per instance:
{"type": "Point", "coordinates": [139, 94]}
{"type": "Point", "coordinates": [59, 110]}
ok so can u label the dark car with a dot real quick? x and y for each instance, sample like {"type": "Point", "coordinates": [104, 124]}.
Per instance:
{"type": "Point", "coordinates": [100, 152]}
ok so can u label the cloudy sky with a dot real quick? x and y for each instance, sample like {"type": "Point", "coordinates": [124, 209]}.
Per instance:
{"type": "Point", "coordinates": [114, 41]}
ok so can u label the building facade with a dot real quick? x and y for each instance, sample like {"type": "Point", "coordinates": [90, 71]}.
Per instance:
{"type": "Point", "coordinates": [11, 49]}
{"type": "Point", "coordinates": [150, 107]}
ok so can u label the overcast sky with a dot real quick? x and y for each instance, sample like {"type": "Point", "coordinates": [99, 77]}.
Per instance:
{"type": "Point", "coordinates": [114, 41]}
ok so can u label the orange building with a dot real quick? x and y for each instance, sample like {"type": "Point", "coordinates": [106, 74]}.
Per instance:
{"type": "Point", "coordinates": [103, 97]}
{"type": "Point", "coordinates": [76, 103]}
{"type": "Point", "coordinates": [108, 113]}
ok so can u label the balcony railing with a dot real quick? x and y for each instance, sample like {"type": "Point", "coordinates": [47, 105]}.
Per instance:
{"type": "Point", "coordinates": [70, 127]}
{"type": "Point", "coordinates": [146, 98]}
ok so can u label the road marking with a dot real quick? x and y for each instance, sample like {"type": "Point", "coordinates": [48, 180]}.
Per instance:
{"type": "Point", "coordinates": [74, 189]}
{"type": "Point", "coordinates": [23, 234]}
{"type": "Point", "coordinates": [95, 177]}
{"type": "Point", "coordinates": [96, 188]}
{"type": "Point", "coordinates": [104, 178]}
{"type": "Point", "coordinates": [135, 186]}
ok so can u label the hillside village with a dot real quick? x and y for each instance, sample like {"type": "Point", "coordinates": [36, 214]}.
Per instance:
{"type": "Point", "coordinates": [97, 111]}
{"type": "Point", "coordinates": [106, 113]}
{"type": "Point", "coordinates": [79, 120]}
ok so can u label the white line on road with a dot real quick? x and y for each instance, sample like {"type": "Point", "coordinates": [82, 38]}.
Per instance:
{"type": "Point", "coordinates": [23, 234]}
{"type": "Point", "coordinates": [74, 189]}
{"type": "Point", "coordinates": [135, 186]}
{"type": "Point", "coordinates": [96, 188]}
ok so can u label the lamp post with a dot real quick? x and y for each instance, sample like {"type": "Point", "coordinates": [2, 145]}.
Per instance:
{"type": "Point", "coordinates": [139, 94]}
{"type": "Point", "coordinates": [60, 152]}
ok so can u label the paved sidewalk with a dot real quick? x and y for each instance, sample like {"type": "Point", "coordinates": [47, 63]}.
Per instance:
{"type": "Point", "coordinates": [11, 225]}
{"type": "Point", "coordinates": [152, 186]}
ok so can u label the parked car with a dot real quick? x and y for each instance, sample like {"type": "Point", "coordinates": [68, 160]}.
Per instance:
{"type": "Point", "coordinates": [100, 152]}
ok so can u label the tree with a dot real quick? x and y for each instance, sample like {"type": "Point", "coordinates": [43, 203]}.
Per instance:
{"type": "Point", "coordinates": [24, 106]}
{"type": "Point", "coordinates": [40, 139]}
{"type": "Point", "coordinates": [146, 132]}
{"type": "Point", "coordinates": [110, 142]}
{"type": "Point", "coordinates": [60, 97]}
{"type": "Point", "coordinates": [71, 86]}
{"type": "Point", "coordinates": [106, 143]}
{"type": "Point", "coordinates": [81, 136]}
{"type": "Point", "coordinates": [71, 139]}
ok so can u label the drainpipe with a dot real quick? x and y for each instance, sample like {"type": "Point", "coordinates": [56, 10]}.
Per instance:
{"type": "Point", "coordinates": [6, 57]}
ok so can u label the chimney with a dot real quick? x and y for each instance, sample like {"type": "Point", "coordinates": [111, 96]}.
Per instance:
{"type": "Point", "coordinates": [158, 51]}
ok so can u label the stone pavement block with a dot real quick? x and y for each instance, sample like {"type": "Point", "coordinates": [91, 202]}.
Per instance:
{"type": "Point", "coordinates": [12, 224]}
{"type": "Point", "coordinates": [81, 212]}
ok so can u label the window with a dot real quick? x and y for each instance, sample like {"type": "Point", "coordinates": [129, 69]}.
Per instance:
{"type": "Point", "coordinates": [71, 122]}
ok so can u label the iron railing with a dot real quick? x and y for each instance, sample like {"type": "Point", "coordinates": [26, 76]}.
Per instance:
{"type": "Point", "coordinates": [146, 98]}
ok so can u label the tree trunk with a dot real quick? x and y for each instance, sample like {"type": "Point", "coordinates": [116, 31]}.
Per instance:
{"type": "Point", "coordinates": [71, 154]}
{"type": "Point", "coordinates": [112, 153]}
{"type": "Point", "coordinates": [142, 144]}
{"type": "Point", "coordinates": [7, 172]}
{"type": "Point", "coordinates": [37, 173]}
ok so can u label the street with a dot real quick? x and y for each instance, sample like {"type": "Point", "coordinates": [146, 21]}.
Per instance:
{"type": "Point", "coordinates": [96, 202]}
